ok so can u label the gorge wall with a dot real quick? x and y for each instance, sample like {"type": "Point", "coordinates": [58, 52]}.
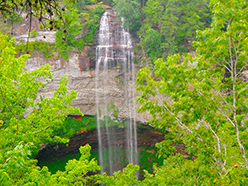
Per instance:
{"type": "Point", "coordinates": [80, 71]}
{"type": "Point", "coordinates": [83, 82]}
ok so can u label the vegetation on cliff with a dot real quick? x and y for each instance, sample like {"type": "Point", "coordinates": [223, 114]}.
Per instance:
{"type": "Point", "coordinates": [75, 25]}
{"type": "Point", "coordinates": [164, 27]}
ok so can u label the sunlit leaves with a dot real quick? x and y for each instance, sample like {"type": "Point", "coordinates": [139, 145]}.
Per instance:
{"type": "Point", "coordinates": [76, 171]}
{"type": "Point", "coordinates": [26, 120]}
{"type": "Point", "coordinates": [126, 177]}
{"type": "Point", "coordinates": [205, 96]}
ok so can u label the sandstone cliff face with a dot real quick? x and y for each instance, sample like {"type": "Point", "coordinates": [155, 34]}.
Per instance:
{"type": "Point", "coordinates": [83, 82]}
{"type": "Point", "coordinates": [80, 71]}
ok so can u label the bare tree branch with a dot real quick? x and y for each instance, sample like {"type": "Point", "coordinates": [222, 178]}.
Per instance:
{"type": "Point", "coordinates": [178, 120]}
{"type": "Point", "coordinates": [229, 106]}
{"type": "Point", "coordinates": [234, 68]}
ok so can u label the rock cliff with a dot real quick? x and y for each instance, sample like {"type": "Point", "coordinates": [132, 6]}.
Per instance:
{"type": "Point", "coordinates": [83, 82]}
{"type": "Point", "coordinates": [80, 71]}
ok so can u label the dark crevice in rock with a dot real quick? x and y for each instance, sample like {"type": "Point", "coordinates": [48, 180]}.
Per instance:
{"type": "Point", "coordinates": [147, 136]}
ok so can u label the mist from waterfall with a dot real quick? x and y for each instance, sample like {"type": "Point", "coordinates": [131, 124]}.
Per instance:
{"type": "Point", "coordinates": [115, 52]}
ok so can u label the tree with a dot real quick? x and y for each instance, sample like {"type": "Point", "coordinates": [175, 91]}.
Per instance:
{"type": "Point", "coordinates": [26, 121]}
{"type": "Point", "coordinates": [175, 22]}
{"type": "Point", "coordinates": [47, 12]}
{"type": "Point", "coordinates": [76, 26]}
{"type": "Point", "coordinates": [127, 177]}
{"type": "Point", "coordinates": [204, 103]}
{"type": "Point", "coordinates": [76, 171]}
{"type": "Point", "coordinates": [130, 10]}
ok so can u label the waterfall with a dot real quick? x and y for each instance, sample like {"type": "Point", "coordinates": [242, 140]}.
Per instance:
{"type": "Point", "coordinates": [115, 52]}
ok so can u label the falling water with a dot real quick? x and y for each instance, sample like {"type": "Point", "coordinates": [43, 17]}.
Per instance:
{"type": "Point", "coordinates": [115, 52]}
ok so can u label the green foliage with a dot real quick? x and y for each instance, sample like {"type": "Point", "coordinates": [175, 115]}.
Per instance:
{"type": "Point", "coordinates": [79, 30]}
{"type": "Point", "coordinates": [76, 172]}
{"type": "Point", "coordinates": [178, 171]}
{"type": "Point", "coordinates": [169, 27]}
{"type": "Point", "coordinates": [70, 127]}
{"type": "Point", "coordinates": [114, 111]}
{"type": "Point", "coordinates": [60, 164]}
{"type": "Point", "coordinates": [92, 20]}
{"type": "Point", "coordinates": [85, 22]}
{"type": "Point", "coordinates": [82, 3]}
{"type": "Point", "coordinates": [107, 2]}
{"type": "Point", "coordinates": [130, 10]}
{"type": "Point", "coordinates": [26, 120]}
{"type": "Point", "coordinates": [66, 37]}
{"type": "Point", "coordinates": [33, 33]}
{"type": "Point", "coordinates": [89, 122]}
{"type": "Point", "coordinates": [127, 177]}
{"type": "Point", "coordinates": [204, 104]}
{"type": "Point", "coordinates": [46, 49]}
{"type": "Point", "coordinates": [147, 157]}
{"type": "Point", "coordinates": [153, 41]}
{"type": "Point", "coordinates": [49, 13]}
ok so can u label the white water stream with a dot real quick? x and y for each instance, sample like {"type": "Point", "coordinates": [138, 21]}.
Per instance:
{"type": "Point", "coordinates": [115, 50]}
